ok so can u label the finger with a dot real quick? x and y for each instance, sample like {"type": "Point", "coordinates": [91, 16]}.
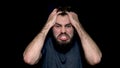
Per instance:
{"type": "Point", "coordinates": [59, 12]}
{"type": "Point", "coordinates": [54, 11]}
{"type": "Point", "coordinates": [69, 14]}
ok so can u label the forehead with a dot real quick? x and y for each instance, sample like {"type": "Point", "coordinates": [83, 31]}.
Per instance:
{"type": "Point", "coordinates": [63, 19]}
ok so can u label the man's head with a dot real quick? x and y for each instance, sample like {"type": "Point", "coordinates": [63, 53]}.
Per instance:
{"type": "Point", "coordinates": [63, 30]}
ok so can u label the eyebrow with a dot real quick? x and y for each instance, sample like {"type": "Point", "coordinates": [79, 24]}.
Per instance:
{"type": "Point", "coordinates": [61, 25]}
{"type": "Point", "coordinates": [68, 24]}
{"type": "Point", "coordinates": [58, 24]}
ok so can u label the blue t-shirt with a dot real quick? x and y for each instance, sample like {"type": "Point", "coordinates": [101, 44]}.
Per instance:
{"type": "Point", "coordinates": [51, 58]}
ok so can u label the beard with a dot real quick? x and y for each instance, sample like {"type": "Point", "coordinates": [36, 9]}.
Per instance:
{"type": "Point", "coordinates": [62, 46]}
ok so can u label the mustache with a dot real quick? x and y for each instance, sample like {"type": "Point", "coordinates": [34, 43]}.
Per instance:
{"type": "Point", "coordinates": [63, 34]}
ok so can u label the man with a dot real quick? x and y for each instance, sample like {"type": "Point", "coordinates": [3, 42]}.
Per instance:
{"type": "Point", "coordinates": [57, 44]}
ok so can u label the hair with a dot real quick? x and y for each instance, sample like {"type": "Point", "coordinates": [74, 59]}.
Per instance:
{"type": "Point", "coordinates": [63, 9]}
{"type": "Point", "coordinates": [64, 5]}
{"type": "Point", "coordinates": [67, 8]}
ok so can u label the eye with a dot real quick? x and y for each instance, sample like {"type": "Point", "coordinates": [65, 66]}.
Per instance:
{"type": "Point", "coordinates": [57, 25]}
{"type": "Point", "coordinates": [68, 25]}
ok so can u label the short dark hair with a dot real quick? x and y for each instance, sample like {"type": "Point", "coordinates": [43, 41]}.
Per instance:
{"type": "Point", "coordinates": [64, 9]}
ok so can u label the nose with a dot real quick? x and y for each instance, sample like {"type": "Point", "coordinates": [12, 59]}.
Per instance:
{"type": "Point", "coordinates": [63, 30]}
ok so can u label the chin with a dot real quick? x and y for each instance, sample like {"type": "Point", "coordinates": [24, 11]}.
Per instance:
{"type": "Point", "coordinates": [63, 42]}
{"type": "Point", "coordinates": [63, 46]}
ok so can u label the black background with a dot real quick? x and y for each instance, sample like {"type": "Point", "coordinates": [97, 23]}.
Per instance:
{"type": "Point", "coordinates": [22, 20]}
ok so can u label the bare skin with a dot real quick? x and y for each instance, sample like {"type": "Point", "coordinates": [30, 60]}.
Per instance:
{"type": "Point", "coordinates": [33, 51]}
{"type": "Point", "coordinates": [63, 30]}
{"type": "Point", "coordinates": [91, 50]}
{"type": "Point", "coordinates": [62, 24]}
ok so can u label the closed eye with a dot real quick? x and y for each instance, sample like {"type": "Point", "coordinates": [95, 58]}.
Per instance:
{"type": "Point", "coordinates": [68, 25]}
{"type": "Point", "coordinates": [57, 25]}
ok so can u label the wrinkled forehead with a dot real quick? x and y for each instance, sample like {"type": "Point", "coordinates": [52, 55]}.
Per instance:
{"type": "Point", "coordinates": [62, 19]}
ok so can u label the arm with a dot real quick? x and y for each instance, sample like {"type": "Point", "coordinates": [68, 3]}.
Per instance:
{"type": "Point", "coordinates": [32, 52]}
{"type": "Point", "coordinates": [91, 50]}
